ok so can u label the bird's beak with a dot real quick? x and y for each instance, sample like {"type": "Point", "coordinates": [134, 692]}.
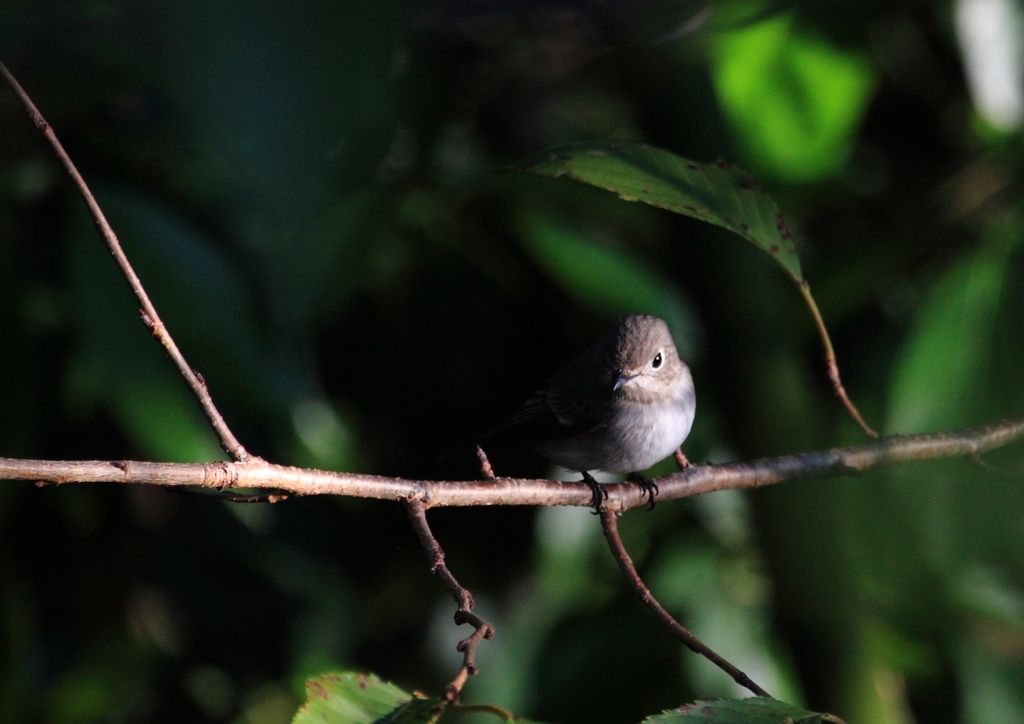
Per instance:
{"type": "Point", "coordinates": [621, 378]}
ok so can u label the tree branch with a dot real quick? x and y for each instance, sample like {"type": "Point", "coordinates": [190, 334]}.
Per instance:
{"type": "Point", "coordinates": [610, 525]}
{"type": "Point", "coordinates": [148, 312]}
{"type": "Point", "coordinates": [694, 480]}
{"type": "Point", "coordinates": [463, 598]}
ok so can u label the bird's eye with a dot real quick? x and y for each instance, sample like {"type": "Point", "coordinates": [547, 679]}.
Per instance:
{"type": "Point", "coordinates": [656, 362]}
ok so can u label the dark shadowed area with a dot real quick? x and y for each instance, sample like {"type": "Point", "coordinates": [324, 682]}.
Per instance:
{"type": "Point", "coordinates": [315, 196]}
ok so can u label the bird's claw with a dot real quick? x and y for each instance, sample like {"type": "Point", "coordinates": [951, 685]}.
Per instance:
{"type": "Point", "coordinates": [646, 485]}
{"type": "Point", "coordinates": [598, 494]}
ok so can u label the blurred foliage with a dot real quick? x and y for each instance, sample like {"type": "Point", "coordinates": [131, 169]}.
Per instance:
{"type": "Point", "coordinates": [793, 100]}
{"type": "Point", "coordinates": [309, 193]}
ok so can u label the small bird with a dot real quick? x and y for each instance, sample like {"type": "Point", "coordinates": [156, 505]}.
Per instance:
{"type": "Point", "coordinates": [622, 405]}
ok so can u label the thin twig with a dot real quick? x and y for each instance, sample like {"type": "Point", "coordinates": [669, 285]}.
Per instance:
{"type": "Point", "coordinates": [610, 525]}
{"type": "Point", "coordinates": [694, 480]}
{"type": "Point", "coordinates": [463, 598]}
{"type": "Point", "coordinates": [149, 315]}
{"type": "Point", "coordinates": [485, 464]}
{"type": "Point", "coordinates": [1012, 475]}
{"type": "Point", "coordinates": [681, 460]}
{"type": "Point", "coordinates": [830, 361]}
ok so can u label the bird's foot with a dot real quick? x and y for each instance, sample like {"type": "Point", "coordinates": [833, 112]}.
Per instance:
{"type": "Point", "coordinates": [599, 494]}
{"type": "Point", "coordinates": [647, 485]}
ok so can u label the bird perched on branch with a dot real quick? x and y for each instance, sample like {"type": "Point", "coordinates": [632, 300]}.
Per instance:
{"type": "Point", "coordinates": [622, 405]}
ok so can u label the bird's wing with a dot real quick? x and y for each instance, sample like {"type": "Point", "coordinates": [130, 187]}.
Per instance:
{"type": "Point", "coordinates": [580, 396]}
{"type": "Point", "coordinates": [573, 410]}
{"type": "Point", "coordinates": [565, 408]}
{"type": "Point", "coordinates": [576, 401]}
{"type": "Point", "coordinates": [534, 410]}
{"type": "Point", "coordinates": [548, 416]}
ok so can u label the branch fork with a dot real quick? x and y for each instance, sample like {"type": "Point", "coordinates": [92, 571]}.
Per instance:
{"type": "Point", "coordinates": [149, 314]}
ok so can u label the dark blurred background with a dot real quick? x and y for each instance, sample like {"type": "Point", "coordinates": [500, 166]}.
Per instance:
{"type": "Point", "coordinates": [311, 192]}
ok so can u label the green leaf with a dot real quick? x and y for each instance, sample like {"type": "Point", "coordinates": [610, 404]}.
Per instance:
{"type": "Point", "coordinates": [717, 193]}
{"type": "Point", "coordinates": [352, 698]}
{"type": "Point", "coordinates": [756, 710]}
